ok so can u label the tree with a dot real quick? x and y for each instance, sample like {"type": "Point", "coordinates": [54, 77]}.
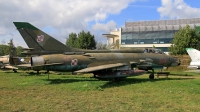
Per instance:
{"type": "Point", "coordinates": [100, 45]}
{"type": "Point", "coordinates": [86, 41]}
{"type": "Point", "coordinates": [72, 40]}
{"type": "Point", "coordinates": [11, 48]}
{"type": "Point", "coordinates": [3, 50]}
{"type": "Point", "coordinates": [19, 51]}
{"type": "Point", "coordinates": [8, 49]}
{"type": "Point", "coordinates": [83, 41]}
{"type": "Point", "coordinates": [184, 38]}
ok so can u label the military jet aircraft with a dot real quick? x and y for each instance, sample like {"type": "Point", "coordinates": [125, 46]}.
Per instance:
{"type": "Point", "coordinates": [195, 57]}
{"type": "Point", "coordinates": [109, 65]}
{"type": "Point", "coordinates": [8, 62]}
{"type": "Point", "coordinates": [102, 63]}
{"type": "Point", "coordinates": [5, 63]}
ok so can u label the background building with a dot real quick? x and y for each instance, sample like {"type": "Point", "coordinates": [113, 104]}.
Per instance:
{"type": "Point", "coordinates": [146, 34]}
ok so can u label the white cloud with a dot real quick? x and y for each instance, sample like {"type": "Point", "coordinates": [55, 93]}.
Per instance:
{"type": "Point", "coordinates": [65, 16]}
{"type": "Point", "coordinates": [177, 9]}
{"type": "Point", "coordinates": [104, 27]}
{"type": "Point", "coordinates": [100, 28]}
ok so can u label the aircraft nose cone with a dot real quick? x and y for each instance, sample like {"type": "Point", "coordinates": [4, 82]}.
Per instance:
{"type": "Point", "coordinates": [176, 62]}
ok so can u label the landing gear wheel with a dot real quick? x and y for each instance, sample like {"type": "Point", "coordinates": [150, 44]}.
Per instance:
{"type": "Point", "coordinates": [151, 76]}
{"type": "Point", "coordinates": [47, 72]}
{"type": "Point", "coordinates": [38, 72]}
{"type": "Point", "coordinates": [74, 73]}
{"type": "Point", "coordinates": [15, 71]}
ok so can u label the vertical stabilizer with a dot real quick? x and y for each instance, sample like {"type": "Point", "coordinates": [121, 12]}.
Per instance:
{"type": "Point", "coordinates": [194, 54]}
{"type": "Point", "coordinates": [195, 57]}
{"type": "Point", "coordinates": [39, 40]}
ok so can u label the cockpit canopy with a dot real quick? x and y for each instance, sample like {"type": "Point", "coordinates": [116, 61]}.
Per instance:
{"type": "Point", "coordinates": [152, 50]}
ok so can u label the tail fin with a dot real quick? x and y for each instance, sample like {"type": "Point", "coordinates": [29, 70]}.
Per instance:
{"type": "Point", "coordinates": [194, 54]}
{"type": "Point", "coordinates": [39, 40]}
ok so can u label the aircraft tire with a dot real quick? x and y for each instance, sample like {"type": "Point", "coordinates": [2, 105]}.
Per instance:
{"type": "Point", "coordinates": [38, 72]}
{"type": "Point", "coordinates": [151, 76]}
{"type": "Point", "coordinates": [15, 71]}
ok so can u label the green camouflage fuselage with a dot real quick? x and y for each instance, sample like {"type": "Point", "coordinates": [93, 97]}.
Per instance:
{"type": "Point", "coordinates": [77, 62]}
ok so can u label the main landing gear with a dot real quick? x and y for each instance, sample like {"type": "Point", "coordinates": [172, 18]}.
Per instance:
{"type": "Point", "coordinates": [14, 70]}
{"type": "Point", "coordinates": [151, 76]}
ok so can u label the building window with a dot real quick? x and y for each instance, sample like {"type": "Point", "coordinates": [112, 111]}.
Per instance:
{"type": "Point", "coordinates": [148, 37]}
{"type": "Point", "coordinates": [141, 42]}
{"type": "Point", "coordinates": [155, 42]}
{"type": "Point", "coordinates": [162, 42]}
{"type": "Point", "coordinates": [123, 42]}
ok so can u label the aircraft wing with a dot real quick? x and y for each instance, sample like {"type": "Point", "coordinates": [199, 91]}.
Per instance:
{"type": "Point", "coordinates": [101, 67]}
{"type": "Point", "coordinates": [10, 67]}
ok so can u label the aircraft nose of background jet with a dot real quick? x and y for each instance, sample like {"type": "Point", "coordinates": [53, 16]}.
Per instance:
{"type": "Point", "coordinates": [176, 62]}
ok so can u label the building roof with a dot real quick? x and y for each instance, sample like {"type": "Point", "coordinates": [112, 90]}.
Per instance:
{"type": "Point", "coordinates": [110, 35]}
{"type": "Point", "coordinates": [160, 25]}
{"type": "Point", "coordinates": [163, 22]}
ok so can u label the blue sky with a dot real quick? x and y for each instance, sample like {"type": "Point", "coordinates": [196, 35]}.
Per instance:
{"type": "Point", "coordinates": [60, 18]}
{"type": "Point", "coordinates": [137, 11]}
{"type": "Point", "coordinates": [144, 10]}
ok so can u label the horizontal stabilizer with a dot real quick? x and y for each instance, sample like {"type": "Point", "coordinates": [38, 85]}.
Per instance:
{"type": "Point", "coordinates": [10, 67]}
{"type": "Point", "coordinates": [193, 67]}
{"type": "Point", "coordinates": [28, 49]}
{"type": "Point", "coordinates": [6, 56]}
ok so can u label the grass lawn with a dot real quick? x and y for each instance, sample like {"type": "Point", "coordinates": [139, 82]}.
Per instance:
{"type": "Point", "coordinates": [20, 92]}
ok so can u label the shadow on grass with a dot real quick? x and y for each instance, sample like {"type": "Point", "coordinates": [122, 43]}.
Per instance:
{"type": "Point", "coordinates": [176, 74]}
{"type": "Point", "coordinates": [68, 80]}
{"type": "Point", "coordinates": [8, 71]}
{"type": "Point", "coordinates": [110, 84]}
{"type": "Point", "coordinates": [186, 74]}
{"type": "Point", "coordinates": [129, 81]}
{"type": "Point", "coordinates": [32, 74]}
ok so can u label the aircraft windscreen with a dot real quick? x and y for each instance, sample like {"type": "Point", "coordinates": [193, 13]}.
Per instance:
{"type": "Point", "coordinates": [153, 50]}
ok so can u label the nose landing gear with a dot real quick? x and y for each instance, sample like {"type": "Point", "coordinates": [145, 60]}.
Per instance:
{"type": "Point", "coordinates": [151, 76]}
